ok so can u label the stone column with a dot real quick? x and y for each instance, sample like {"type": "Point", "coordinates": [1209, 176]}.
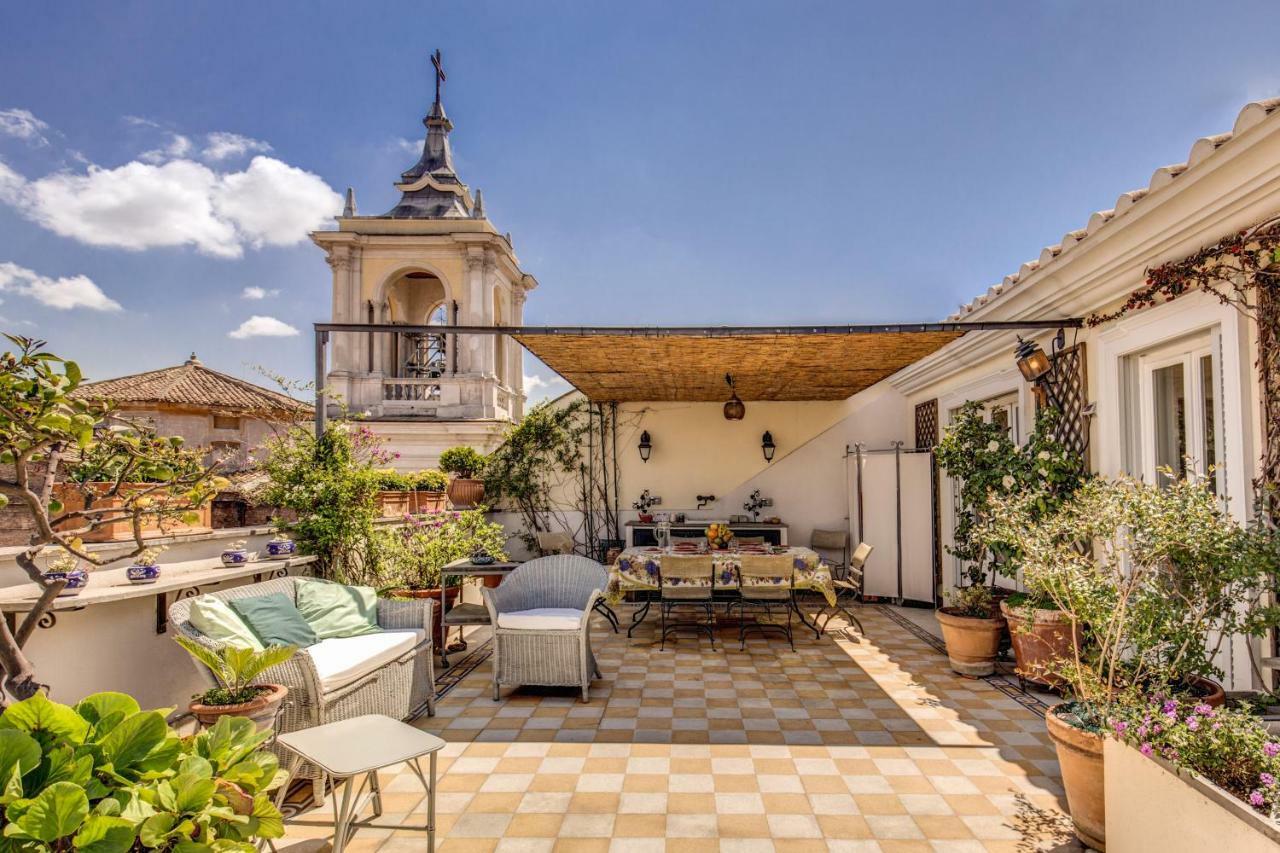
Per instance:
{"type": "Point", "coordinates": [340, 352]}
{"type": "Point", "coordinates": [471, 358]}
{"type": "Point", "coordinates": [516, 370]}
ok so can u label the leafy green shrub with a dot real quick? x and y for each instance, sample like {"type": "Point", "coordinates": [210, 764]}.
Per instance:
{"type": "Point", "coordinates": [107, 777]}
{"type": "Point", "coordinates": [465, 462]}
{"type": "Point", "coordinates": [235, 669]}
{"type": "Point", "coordinates": [391, 480]}
{"type": "Point", "coordinates": [429, 480]}
{"type": "Point", "coordinates": [412, 556]}
{"type": "Point", "coordinates": [974, 601]}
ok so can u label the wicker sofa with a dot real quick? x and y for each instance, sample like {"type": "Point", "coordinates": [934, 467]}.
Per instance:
{"type": "Point", "coordinates": [391, 672]}
{"type": "Point", "coordinates": [541, 617]}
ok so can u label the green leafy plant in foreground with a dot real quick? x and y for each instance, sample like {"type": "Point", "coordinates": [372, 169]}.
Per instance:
{"type": "Point", "coordinates": [107, 777]}
{"type": "Point", "coordinates": [235, 668]}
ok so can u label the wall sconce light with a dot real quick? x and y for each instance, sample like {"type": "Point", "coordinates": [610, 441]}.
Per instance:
{"type": "Point", "coordinates": [1032, 360]}
{"type": "Point", "coordinates": [767, 446]}
{"type": "Point", "coordinates": [646, 446]}
{"type": "Point", "coordinates": [735, 409]}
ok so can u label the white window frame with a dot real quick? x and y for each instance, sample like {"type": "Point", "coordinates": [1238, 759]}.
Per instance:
{"type": "Point", "coordinates": [1147, 331]}
{"type": "Point", "coordinates": [1186, 353]}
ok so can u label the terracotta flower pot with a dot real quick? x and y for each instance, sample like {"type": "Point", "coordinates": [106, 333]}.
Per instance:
{"type": "Point", "coordinates": [434, 595]}
{"type": "Point", "coordinates": [262, 709]}
{"type": "Point", "coordinates": [1080, 758]}
{"type": "Point", "coordinates": [972, 643]}
{"type": "Point", "coordinates": [394, 504]}
{"type": "Point", "coordinates": [465, 493]}
{"type": "Point", "coordinates": [422, 502]}
{"type": "Point", "coordinates": [1211, 692]}
{"type": "Point", "coordinates": [1039, 638]}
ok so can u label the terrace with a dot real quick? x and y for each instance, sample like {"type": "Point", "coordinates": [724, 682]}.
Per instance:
{"type": "Point", "coordinates": [848, 743]}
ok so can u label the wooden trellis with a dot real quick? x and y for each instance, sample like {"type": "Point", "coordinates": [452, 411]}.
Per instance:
{"type": "Point", "coordinates": [926, 424]}
{"type": "Point", "coordinates": [1071, 394]}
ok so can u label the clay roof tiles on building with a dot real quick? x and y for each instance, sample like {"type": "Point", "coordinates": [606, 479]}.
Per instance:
{"type": "Point", "coordinates": [192, 384]}
{"type": "Point", "coordinates": [1250, 115]}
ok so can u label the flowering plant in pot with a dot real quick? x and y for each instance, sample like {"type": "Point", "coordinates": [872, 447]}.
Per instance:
{"type": "Point", "coordinates": [238, 695]}
{"type": "Point", "coordinates": [972, 627]}
{"type": "Point", "coordinates": [67, 567]}
{"type": "Point", "coordinates": [235, 554]}
{"type": "Point", "coordinates": [466, 465]}
{"type": "Point", "coordinates": [1155, 579]}
{"type": "Point", "coordinates": [145, 567]}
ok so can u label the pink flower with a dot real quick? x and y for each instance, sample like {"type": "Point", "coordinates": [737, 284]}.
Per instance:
{"type": "Point", "coordinates": [1145, 749]}
{"type": "Point", "coordinates": [1120, 726]}
{"type": "Point", "coordinates": [1256, 799]}
{"type": "Point", "coordinates": [1267, 779]}
{"type": "Point", "coordinates": [1193, 723]}
{"type": "Point", "coordinates": [1203, 710]}
{"type": "Point", "coordinates": [1271, 749]}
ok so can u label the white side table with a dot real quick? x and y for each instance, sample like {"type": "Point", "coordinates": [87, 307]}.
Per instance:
{"type": "Point", "coordinates": [361, 747]}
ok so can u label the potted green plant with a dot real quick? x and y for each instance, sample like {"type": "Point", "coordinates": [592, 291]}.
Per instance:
{"type": "Point", "coordinates": [105, 776]}
{"type": "Point", "coordinates": [238, 695]}
{"type": "Point", "coordinates": [411, 558]}
{"type": "Point", "coordinates": [972, 627]}
{"type": "Point", "coordinates": [428, 490]}
{"type": "Point", "coordinates": [393, 493]}
{"type": "Point", "coordinates": [67, 567]}
{"type": "Point", "coordinates": [465, 464]}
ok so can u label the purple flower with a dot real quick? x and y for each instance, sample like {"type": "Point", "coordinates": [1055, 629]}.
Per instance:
{"type": "Point", "coordinates": [1143, 731]}
{"type": "Point", "coordinates": [1121, 726]}
{"type": "Point", "coordinates": [1267, 779]}
{"type": "Point", "coordinates": [1193, 722]}
{"type": "Point", "coordinates": [1256, 799]}
{"type": "Point", "coordinates": [1145, 749]}
{"type": "Point", "coordinates": [1271, 749]}
{"type": "Point", "coordinates": [1169, 708]}
{"type": "Point", "coordinates": [1203, 710]}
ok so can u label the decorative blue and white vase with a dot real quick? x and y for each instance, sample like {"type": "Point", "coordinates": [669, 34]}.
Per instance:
{"type": "Point", "coordinates": [280, 549]}
{"type": "Point", "coordinates": [77, 580]}
{"type": "Point", "coordinates": [235, 557]}
{"type": "Point", "coordinates": [142, 574]}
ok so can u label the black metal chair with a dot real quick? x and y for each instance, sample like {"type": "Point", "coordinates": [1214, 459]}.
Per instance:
{"type": "Point", "coordinates": [688, 581]}
{"type": "Point", "coordinates": [846, 576]}
{"type": "Point", "coordinates": [765, 583]}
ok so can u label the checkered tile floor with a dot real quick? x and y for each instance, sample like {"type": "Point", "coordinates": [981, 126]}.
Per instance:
{"type": "Point", "coordinates": [847, 743]}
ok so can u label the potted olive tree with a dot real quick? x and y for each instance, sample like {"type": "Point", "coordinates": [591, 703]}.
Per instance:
{"type": "Point", "coordinates": [1157, 579]}
{"type": "Point", "coordinates": [465, 464]}
{"type": "Point", "coordinates": [238, 694]}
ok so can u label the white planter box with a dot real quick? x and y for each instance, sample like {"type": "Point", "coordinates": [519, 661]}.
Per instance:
{"type": "Point", "coordinates": [1152, 805]}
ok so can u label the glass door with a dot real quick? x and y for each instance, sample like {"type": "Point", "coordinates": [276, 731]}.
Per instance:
{"type": "Point", "coordinates": [1180, 422]}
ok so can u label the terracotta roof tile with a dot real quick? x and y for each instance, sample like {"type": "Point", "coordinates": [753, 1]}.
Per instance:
{"type": "Point", "coordinates": [191, 384]}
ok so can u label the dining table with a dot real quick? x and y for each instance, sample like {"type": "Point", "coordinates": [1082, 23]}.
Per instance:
{"type": "Point", "coordinates": [638, 569]}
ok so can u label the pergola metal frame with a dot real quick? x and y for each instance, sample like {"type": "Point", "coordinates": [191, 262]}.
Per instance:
{"type": "Point", "coordinates": [323, 331]}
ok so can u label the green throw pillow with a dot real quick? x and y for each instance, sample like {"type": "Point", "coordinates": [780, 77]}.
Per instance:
{"type": "Point", "coordinates": [334, 610]}
{"type": "Point", "coordinates": [274, 620]}
{"type": "Point", "coordinates": [219, 622]}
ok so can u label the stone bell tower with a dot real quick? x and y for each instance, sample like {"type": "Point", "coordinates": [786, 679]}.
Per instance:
{"type": "Point", "coordinates": [433, 259]}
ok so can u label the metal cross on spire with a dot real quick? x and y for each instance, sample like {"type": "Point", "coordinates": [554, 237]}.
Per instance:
{"type": "Point", "coordinates": [438, 61]}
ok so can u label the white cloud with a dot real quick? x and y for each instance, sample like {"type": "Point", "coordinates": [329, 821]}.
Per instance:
{"type": "Point", "coordinates": [258, 326]}
{"type": "Point", "coordinates": [23, 125]}
{"type": "Point", "coordinates": [64, 293]}
{"type": "Point", "coordinates": [179, 146]}
{"type": "Point", "coordinates": [409, 146]}
{"type": "Point", "coordinates": [254, 292]}
{"type": "Point", "coordinates": [177, 203]}
{"type": "Point", "coordinates": [537, 388]}
{"type": "Point", "coordinates": [221, 146]}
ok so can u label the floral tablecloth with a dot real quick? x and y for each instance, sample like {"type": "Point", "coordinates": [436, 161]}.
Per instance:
{"type": "Point", "coordinates": [638, 569]}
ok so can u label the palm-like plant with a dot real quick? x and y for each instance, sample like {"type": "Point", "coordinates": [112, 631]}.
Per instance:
{"type": "Point", "coordinates": [235, 667]}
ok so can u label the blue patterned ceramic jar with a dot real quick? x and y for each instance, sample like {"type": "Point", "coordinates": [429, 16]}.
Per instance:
{"type": "Point", "coordinates": [235, 557]}
{"type": "Point", "coordinates": [142, 574]}
{"type": "Point", "coordinates": [279, 549]}
{"type": "Point", "coordinates": [77, 579]}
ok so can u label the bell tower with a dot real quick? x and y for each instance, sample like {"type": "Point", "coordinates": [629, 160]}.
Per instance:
{"type": "Point", "coordinates": [434, 259]}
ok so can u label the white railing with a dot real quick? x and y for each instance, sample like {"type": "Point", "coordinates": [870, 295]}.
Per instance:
{"type": "Point", "coordinates": [411, 390]}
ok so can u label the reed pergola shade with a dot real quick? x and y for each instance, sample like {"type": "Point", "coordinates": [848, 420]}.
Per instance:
{"type": "Point", "coordinates": [691, 368]}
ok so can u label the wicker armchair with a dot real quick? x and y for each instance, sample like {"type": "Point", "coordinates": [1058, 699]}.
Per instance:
{"type": "Point", "coordinates": [536, 647]}
{"type": "Point", "coordinates": [400, 688]}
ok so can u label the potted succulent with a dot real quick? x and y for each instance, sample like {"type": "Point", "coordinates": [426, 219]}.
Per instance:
{"type": "Point", "coordinates": [235, 554]}
{"type": "Point", "coordinates": [145, 567]}
{"type": "Point", "coordinates": [972, 628]}
{"type": "Point", "coordinates": [428, 491]}
{"type": "Point", "coordinates": [465, 464]}
{"type": "Point", "coordinates": [238, 695]}
{"type": "Point", "coordinates": [281, 547]}
{"type": "Point", "coordinates": [67, 567]}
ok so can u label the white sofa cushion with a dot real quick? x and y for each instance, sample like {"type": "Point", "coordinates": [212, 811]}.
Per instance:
{"type": "Point", "coordinates": [542, 619]}
{"type": "Point", "coordinates": [341, 660]}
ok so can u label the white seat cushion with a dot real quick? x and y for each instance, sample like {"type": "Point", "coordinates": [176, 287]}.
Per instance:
{"type": "Point", "coordinates": [542, 619]}
{"type": "Point", "coordinates": [341, 660]}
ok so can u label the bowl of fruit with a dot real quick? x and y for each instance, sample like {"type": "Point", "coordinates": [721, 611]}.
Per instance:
{"type": "Point", "coordinates": [719, 536]}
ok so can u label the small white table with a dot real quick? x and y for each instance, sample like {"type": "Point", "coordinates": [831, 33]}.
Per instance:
{"type": "Point", "coordinates": [362, 746]}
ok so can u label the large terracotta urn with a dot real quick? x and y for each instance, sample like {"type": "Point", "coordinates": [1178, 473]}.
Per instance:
{"type": "Point", "coordinates": [1080, 759]}
{"type": "Point", "coordinates": [1040, 637]}
{"type": "Point", "coordinates": [972, 642]}
{"type": "Point", "coordinates": [465, 493]}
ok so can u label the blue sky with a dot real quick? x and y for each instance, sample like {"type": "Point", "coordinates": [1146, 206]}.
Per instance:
{"type": "Point", "coordinates": [701, 162]}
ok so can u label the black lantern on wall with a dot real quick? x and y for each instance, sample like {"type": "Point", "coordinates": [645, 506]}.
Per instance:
{"type": "Point", "coordinates": [1041, 369]}
{"type": "Point", "coordinates": [646, 446]}
{"type": "Point", "coordinates": [1032, 360]}
{"type": "Point", "coordinates": [735, 409]}
{"type": "Point", "coordinates": [767, 446]}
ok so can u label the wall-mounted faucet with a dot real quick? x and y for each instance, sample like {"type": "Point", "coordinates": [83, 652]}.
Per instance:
{"type": "Point", "coordinates": [703, 500]}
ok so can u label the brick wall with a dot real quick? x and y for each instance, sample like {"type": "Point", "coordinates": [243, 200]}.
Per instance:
{"type": "Point", "coordinates": [15, 520]}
